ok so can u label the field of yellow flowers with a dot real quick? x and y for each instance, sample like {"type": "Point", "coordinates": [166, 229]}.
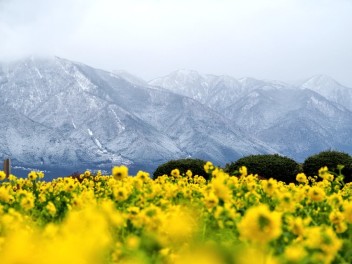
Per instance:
{"type": "Point", "coordinates": [119, 218]}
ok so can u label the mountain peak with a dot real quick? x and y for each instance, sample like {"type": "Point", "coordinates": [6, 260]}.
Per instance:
{"type": "Point", "coordinates": [320, 80]}
{"type": "Point", "coordinates": [330, 89]}
{"type": "Point", "coordinates": [185, 72]}
{"type": "Point", "coordinates": [37, 58]}
{"type": "Point", "coordinates": [247, 80]}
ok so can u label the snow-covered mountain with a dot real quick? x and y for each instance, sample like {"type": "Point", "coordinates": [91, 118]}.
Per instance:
{"type": "Point", "coordinates": [26, 140]}
{"type": "Point", "coordinates": [217, 92]}
{"type": "Point", "coordinates": [61, 113]}
{"type": "Point", "coordinates": [315, 124]}
{"type": "Point", "coordinates": [331, 89]}
{"type": "Point", "coordinates": [57, 113]}
{"type": "Point", "coordinates": [297, 121]}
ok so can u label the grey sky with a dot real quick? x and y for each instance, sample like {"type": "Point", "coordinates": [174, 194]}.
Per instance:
{"type": "Point", "coordinates": [270, 39]}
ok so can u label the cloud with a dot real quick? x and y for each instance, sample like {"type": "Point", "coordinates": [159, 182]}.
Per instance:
{"type": "Point", "coordinates": [275, 39]}
{"type": "Point", "coordinates": [38, 26]}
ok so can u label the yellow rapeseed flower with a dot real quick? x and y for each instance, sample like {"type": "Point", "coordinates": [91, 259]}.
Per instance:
{"type": "Point", "coordinates": [286, 202]}
{"type": "Point", "coordinates": [5, 194]}
{"type": "Point", "coordinates": [142, 176]}
{"type": "Point", "coordinates": [87, 173]}
{"type": "Point", "coordinates": [211, 200]}
{"type": "Point", "coordinates": [123, 219]}
{"type": "Point", "coordinates": [32, 175]}
{"type": "Point", "coordinates": [269, 186]}
{"type": "Point", "coordinates": [175, 173]}
{"type": "Point", "coordinates": [260, 225]}
{"type": "Point", "coordinates": [249, 255]}
{"type": "Point", "coordinates": [27, 202]}
{"type": "Point", "coordinates": [133, 211]}
{"type": "Point", "coordinates": [340, 227]}
{"type": "Point", "coordinates": [295, 253]}
{"type": "Point", "coordinates": [220, 187]}
{"type": "Point", "coordinates": [178, 225]}
{"type": "Point", "coordinates": [133, 242]}
{"type": "Point", "coordinates": [208, 167]}
{"type": "Point", "coordinates": [322, 171]}
{"type": "Point", "coordinates": [120, 194]}
{"type": "Point", "coordinates": [336, 217]}
{"type": "Point", "coordinates": [2, 175]}
{"type": "Point", "coordinates": [297, 225]}
{"type": "Point", "coordinates": [69, 184]}
{"type": "Point", "coordinates": [347, 206]}
{"type": "Point", "coordinates": [51, 208]}
{"type": "Point", "coordinates": [325, 174]}
{"type": "Point", "coordinates": [243, 170]}
{"type": "Point", "coordinates": [119, 172]}
{"type": "Point", "coordinates": [335, 200]}
{"type": "Point", "coordinates": [316, 194]}
{"type": "Point", "coordinates": [323, 238]}
{"type": "Point", "coordinates": [115, 217]}
{"type": "Point", "coordinates": [302, 178]}
{"type": "Point", "coordinates": [42, 197]}
{"type": "Point", "coordinates": [199, 256]}
{"type": "Point", "coordinates": [40, 174]}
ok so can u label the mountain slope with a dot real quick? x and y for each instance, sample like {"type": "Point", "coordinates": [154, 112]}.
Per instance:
{"type": "Point", "coordinates": [59, 113]}
{"type": "Point", "coordinates": [217, 92]}
{"type": "Point", "coordinates": [109, 119]}
{"type": "Point", "coordinates": [295, 120]}
{"type": "Point", "coordinates": [316, 125]}
{"type": "Point", "coordinates": [207, 89]}
{"type": "Point", "coordinates": [30, 143]}
{"type": "Point", "coordinates": [330, 89]}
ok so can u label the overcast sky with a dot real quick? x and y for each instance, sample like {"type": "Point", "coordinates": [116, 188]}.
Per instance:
{"type": "Point", "coordinates": [268, 39]}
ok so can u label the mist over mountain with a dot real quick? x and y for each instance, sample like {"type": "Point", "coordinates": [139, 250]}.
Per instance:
{"type": "Point", "coordinates": [296, 120]}
{"type": "Point", "coordinates": [57, 114]}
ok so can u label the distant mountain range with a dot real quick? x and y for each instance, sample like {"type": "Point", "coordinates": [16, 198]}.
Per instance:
{"type": "Point", "coordinates": [296, 120]}
{"type": "Point", "coordinates": [56, 113]}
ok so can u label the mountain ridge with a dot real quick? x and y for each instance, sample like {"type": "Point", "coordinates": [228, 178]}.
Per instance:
{"type": "Point", "coordinates": [262, 108]}
{"type": "Point", "coordinates": [106, 119]}
{"type": "Point", "coordinates": [93, 117]}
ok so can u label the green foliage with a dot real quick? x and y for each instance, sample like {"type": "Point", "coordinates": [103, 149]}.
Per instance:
{"type": "Point", "coordinates": [267, 166]}
{"type": "Point", "coordinates": [330, 159]}
{"type": "Point", "coordinates": [195, 165]}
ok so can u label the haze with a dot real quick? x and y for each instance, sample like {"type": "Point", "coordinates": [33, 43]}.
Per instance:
{"type": "Point", "coordinates": [268, 39]}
